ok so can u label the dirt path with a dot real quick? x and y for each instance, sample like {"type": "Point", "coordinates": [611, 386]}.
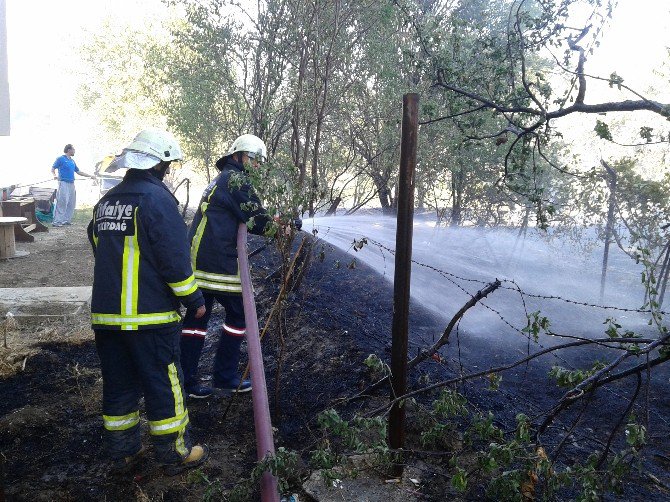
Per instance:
{"type": "Point", "coordinates": [60, 257]}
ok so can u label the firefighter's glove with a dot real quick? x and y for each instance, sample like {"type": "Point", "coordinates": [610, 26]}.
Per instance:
{"type": "Point", "coordinates": [200, 312]}
{"type": "Point", "coordinates": [297, 223]}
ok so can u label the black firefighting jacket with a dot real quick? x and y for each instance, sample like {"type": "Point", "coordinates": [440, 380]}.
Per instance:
{"type": "Point", "coordinates": [213, 233]}
{"type": "Point", "coordinates": [142, 266]}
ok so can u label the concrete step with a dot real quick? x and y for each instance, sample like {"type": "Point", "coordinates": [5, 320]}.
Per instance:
{"type": "Point", "coordinates": [29, 305]}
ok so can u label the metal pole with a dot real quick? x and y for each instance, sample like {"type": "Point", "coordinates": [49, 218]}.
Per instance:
{"type": "Point", "coordinates": [403, 268]}
{"type": "Point", "coordinates": [609, 227]}
{"type": "Point", "coordinates": [259, 393]}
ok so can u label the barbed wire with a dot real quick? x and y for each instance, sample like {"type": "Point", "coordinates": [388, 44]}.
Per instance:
{"type": "Point", "coordinates": [516, 287]}
{"type": "Point", "coordinates": [451, 277]}
{"type": "Point", "coordinates": [23, 185]}
{"type": "Point", "coordinates": [33, 183]}
{"type": "Point", "coordinates": [567, 364]}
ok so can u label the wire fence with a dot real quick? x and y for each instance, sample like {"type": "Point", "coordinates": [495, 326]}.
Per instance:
{"type": "Point", "coordinates": [515, 287]}
{"type": "Point", "coordinates": [460, 282]}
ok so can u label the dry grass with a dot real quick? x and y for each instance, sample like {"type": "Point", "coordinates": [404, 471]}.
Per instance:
{"type": "Point", "coordinates": [21, 342]}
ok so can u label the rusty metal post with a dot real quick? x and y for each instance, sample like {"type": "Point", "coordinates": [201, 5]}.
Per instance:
{"type": "Point", "coordinates": [403, 268]}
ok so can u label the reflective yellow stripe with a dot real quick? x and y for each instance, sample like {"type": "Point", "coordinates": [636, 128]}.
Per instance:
{"type": "Point", "coordinates": [176, 390]}
{"type": "Point", "coordinates": [135, 320]}
{"type": "Point", "coordinates": [170, 426]}
{"type": "Point", "coordinates": [176, 424]}
{"type": "Point", "coordinates": [95, 237]}
{"type": "Point", "coordinates": [218, 282]}
{"type": "Point", "coordinates": [179, 409]}
{"type": "Point", "coordinates": [185, 287]}
{"type": "Point", "coordinates": [121, 423]}
{"type": "Point", "coordinates": [130, 274]}
{"type": "Point", "coordinates": [211, 276]}
{"type": "Point", "coordinates": [195, 244]}
{"type": "Point", "coordinates": [218, 286]}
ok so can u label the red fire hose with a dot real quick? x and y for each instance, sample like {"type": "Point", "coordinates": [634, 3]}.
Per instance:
{"type": "Point", "coordinates": [259, 394]}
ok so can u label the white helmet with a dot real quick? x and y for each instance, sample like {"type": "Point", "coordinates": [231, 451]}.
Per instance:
{"type": "Point", "coordinates": [250, 144]}
{"type": "Point", "coordinates": [156, 142]}
{"type": "Point", "coordinates": [149, 147]}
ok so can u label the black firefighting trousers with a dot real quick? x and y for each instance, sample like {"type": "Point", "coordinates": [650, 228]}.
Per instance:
{"type": "Point", "coordinates": [143, 362]}
{"type": "Point", "coordinates": [233, 331]}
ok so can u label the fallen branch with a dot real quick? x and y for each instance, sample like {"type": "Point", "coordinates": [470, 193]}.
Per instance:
{"type": "Point", "coordinates": [444, 339]}
{"type": "Point", "coordinates": [594, 381]}
{"type": "Point", "coordinates": [519, 362]}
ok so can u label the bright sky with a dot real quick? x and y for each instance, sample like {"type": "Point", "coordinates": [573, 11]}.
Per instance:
{"type": "Point", "coordinates": [43, 36]}
{"type": "Point", "coordinates": [42, 41]}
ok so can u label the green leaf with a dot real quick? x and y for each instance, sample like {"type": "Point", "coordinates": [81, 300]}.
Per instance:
{"type": "Point", "coordinates": [603, 130]}
{"type": "Point", "coordinates": [615, 80]}
{"type": "Point", "coordinates": [460, 480]}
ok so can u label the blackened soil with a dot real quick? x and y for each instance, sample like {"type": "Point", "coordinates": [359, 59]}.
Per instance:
{"type": "Point", "coordinates": [50, 425]}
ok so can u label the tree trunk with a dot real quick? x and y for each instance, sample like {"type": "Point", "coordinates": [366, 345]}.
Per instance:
{"type": "Point", "coordinates": [457, 177]}
{"type": "Point", "coordinates": [333, 206]}
{"type": "Point", "coordinates": [315, 167]}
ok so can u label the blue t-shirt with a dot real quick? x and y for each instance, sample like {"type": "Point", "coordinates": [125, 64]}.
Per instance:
{"type": "Point", "coordinates": [66, 168]}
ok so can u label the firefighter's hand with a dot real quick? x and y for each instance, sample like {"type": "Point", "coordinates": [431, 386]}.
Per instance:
{"type": "Point", "coordinates": [200, 312]}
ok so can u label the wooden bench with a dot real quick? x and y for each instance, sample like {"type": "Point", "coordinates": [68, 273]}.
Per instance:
{"type": "Point", "coordinates": [23, 207]}
{"type": "Point", "coordinates": [7, 242]}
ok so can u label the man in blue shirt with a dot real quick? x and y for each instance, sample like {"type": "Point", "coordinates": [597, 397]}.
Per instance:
{"type": "Point", "coordinates": [66, 197]}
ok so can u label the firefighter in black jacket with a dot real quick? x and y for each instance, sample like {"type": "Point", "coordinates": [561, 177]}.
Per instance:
{"type": "Point", "coordinates": [142, 272]}
{"type": "Point", "coordinates": [226, 202]}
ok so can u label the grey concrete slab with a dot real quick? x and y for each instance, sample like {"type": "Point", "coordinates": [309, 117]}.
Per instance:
{"type": "Point", "coordinates": [32, 295]}
{"type": "Point", "coordinates": [43, 304]}
{"type": "Point", "coordinates": [365, 486]}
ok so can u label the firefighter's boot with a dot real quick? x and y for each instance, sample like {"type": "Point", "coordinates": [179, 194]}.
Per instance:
{"type": "Point", "coordinates": [226, 376]}
{"type": "Point", "coordinates": [197, 456]}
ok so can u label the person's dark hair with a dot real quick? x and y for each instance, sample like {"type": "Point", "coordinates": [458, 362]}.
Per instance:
{"type": "Point", "coordinates": [67, 147]}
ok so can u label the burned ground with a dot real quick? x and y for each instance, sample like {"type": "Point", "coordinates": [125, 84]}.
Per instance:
{"type": "Point", "coordinates": [50, 426]}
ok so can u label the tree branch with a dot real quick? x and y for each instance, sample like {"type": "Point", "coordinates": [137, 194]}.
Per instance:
{"type": "Point", "coordinates": [444, 339]}
{"type": "Point", "coordinates": [519, 362]}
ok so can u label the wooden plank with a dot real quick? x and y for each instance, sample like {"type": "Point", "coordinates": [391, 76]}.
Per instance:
{"type": "Point", "coordinates": [11, 208]}
{"type": "Point", "coordinates": [21, 207]}
{"type": "Point", "coordinates": [21, 235]}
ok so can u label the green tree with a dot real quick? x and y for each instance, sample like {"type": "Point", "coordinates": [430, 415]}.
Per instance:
{"type": "Point", "coordinates": [114, 80]}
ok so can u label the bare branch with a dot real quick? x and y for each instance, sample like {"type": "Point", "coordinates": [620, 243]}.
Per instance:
{"type": "Point", "coordinates": [573, 44]}
{"type": "Point", "coordinates": [519, 362]}
{"type": "Point", "coordinates": [446, 117]}
{"type": "Point", "coordinates": [444, 339]}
